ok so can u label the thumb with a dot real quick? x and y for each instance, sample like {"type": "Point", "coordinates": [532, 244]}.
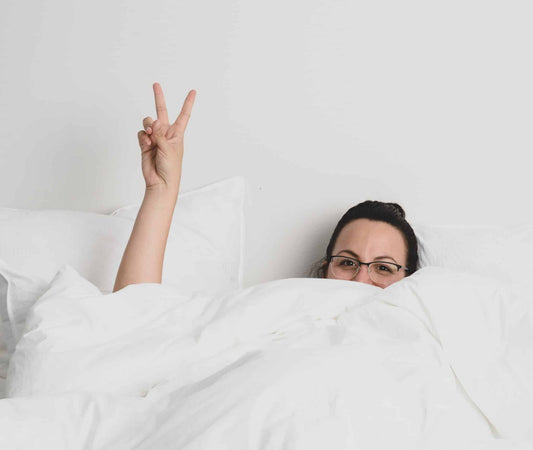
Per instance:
{"type": "Point", "coordinates": [157, 129]}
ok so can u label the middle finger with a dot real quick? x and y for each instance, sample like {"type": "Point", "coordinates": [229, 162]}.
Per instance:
{"type": "Point", "coordinates": [160, 106]}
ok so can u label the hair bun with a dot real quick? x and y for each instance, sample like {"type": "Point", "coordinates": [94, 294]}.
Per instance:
{"type": "Point", "coordinates": [398, 210]}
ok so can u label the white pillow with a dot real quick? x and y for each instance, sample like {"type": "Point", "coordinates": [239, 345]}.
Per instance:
{"type": "Point", "coordinates": [204, 251]}
{"type": "Point", "coordinates": [501, 252]}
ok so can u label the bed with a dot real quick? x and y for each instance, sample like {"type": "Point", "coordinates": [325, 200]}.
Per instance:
{"type": "Point", "coordinates": [441, 360]}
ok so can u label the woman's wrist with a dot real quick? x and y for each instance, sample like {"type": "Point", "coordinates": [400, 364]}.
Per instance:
{"type": "Point", "coordinates": [162, 191]}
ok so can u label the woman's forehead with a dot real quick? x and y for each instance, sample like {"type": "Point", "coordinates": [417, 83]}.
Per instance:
{"type": "Point", "coordinates": [372, 238]}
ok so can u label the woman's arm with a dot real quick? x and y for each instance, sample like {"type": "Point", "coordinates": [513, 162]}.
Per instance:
{"type": "Point", "coordinates": [162, 154]}
{"type": "Point", "coordinates": [142, 261]}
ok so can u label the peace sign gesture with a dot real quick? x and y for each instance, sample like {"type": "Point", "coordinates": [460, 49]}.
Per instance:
{"type": "Point", "coordinates": [162, 143]}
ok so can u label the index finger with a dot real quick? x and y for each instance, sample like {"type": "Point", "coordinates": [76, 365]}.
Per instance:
{"type": "Point", "coordinates": [160, 106]}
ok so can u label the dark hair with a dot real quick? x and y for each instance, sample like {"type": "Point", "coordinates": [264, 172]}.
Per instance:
{"type": "Point", "coordinates": [390, 213]}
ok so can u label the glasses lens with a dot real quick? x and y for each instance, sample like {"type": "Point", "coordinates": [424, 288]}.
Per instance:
{"type": "Point", "coordinates": [344, 268]}
{"type": "Point", "coordinates": [383, 273]}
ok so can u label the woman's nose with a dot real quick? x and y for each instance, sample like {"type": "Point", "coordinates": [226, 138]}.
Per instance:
{"type": "Point", "coordinates": [362, 276]}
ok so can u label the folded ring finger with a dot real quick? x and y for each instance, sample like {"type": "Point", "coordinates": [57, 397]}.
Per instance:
{"type": "Point", "coordinates": [147, 124]}
{"type": "Point", "coordinates": [144, 140]}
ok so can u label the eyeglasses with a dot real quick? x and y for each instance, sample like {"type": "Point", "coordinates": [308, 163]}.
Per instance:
{"type": "Point", "coordinates": [382, 273]}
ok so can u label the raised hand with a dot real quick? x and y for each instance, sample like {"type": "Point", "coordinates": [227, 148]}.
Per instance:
{"type": "Point", "coordinates": [162, 143]}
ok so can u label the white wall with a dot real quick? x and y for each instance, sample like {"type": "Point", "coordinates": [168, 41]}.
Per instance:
{"type": "Point", "coordinates": [320, 104]}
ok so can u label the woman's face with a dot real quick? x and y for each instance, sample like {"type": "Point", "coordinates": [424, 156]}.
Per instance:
{"type": "Point", "coordinates": [367, 241]}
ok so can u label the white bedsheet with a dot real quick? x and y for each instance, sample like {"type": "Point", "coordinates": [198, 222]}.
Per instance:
{"type": "Point", "coordinates": [440, 360]}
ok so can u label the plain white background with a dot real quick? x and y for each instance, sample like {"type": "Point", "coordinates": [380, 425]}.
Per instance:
{"type": "Point", "coordinates": [319, 104]}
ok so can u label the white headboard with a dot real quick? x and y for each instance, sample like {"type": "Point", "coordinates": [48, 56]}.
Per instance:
{"type": "Point", "coordinates": [319, 104]}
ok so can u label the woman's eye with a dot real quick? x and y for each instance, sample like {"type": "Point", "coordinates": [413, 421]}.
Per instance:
{"type": "Point", "coordinates": [383, 268]}
{"type": "Point", "coordinates": [346, 262]}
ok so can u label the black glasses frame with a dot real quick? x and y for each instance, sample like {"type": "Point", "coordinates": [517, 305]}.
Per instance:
{"type": "Point", "coordinates": [361, 263]}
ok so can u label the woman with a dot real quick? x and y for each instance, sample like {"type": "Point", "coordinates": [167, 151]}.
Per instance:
{"type": "Point", "coordinates": [372, 235]}
{"type": "Point", "coordinates": [374, 232]}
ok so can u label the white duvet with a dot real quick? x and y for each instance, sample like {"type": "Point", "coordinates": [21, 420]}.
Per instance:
{"type": "Point", "coordinates": [440, 360]}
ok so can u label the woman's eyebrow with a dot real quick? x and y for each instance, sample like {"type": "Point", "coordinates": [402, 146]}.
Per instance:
{"type": "Point", "coordinates": [350, 252]}
{"type": "Point", "coordinates": [386, 257]}
{"type": "Point", "coordinates": [377, 258]}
